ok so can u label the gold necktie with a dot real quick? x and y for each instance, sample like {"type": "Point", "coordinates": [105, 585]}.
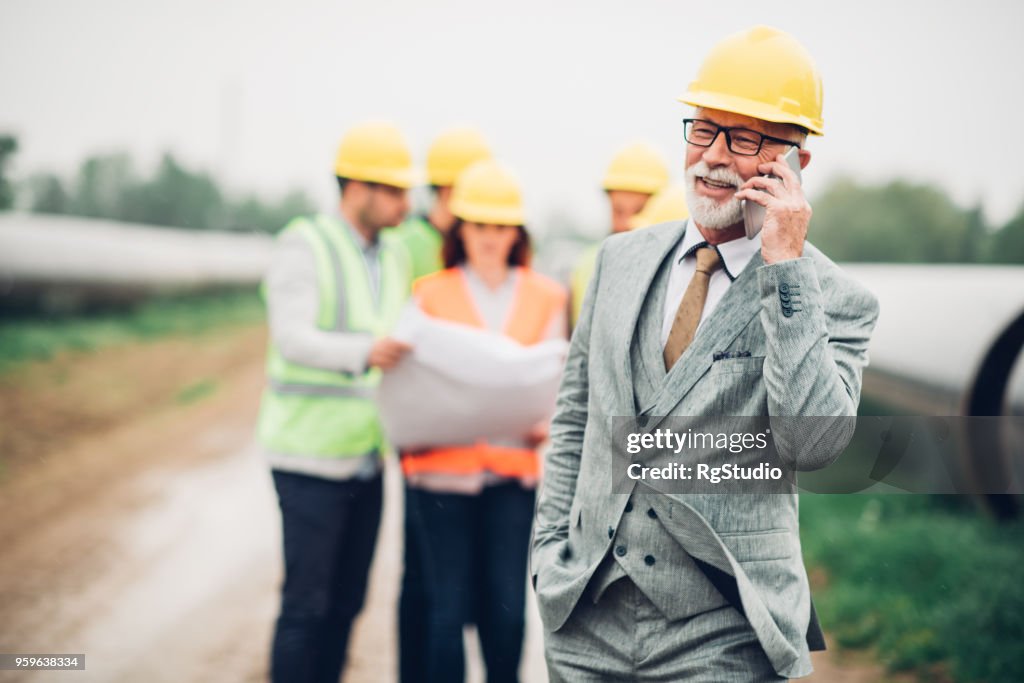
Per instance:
{"type": "Point", "coordinates": [684, 325]}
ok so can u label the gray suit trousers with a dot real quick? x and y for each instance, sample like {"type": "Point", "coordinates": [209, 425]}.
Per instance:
{"type": "Point", "coordinates": [624, 637]}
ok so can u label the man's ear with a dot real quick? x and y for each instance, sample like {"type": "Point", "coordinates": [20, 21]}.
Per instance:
{"type": "Point", "coordinates": [355, 194]}
{"type": "Point", "coordinates": [805, 158]}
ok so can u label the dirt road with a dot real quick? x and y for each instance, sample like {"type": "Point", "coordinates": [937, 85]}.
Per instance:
{"type": "Point", "coordinates": [139, 526]}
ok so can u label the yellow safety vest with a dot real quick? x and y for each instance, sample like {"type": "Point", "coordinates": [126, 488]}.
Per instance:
{"type": "Point", "coordinates": [581, 276]}
{"type": "Point", "coordinates": [423, 242]}
{"type": "Point", "coordinates": [311, 412]}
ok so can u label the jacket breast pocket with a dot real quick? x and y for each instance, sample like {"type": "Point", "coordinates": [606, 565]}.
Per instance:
{"type": "Point", "coordinates": [736, 387]}
{"type": "Point", "coordinates": [750, 364]}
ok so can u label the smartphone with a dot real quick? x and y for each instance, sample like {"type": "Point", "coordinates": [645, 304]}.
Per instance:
{"type": "Point", "coordinates": [753, 213]}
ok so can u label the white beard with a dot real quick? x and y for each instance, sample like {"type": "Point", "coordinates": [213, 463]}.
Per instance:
{"type": "Point", "coordinates": [707, 211]}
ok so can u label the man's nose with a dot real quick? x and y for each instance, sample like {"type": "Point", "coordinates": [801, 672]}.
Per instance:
{"type": "Point", "coordinates": [718, 153]}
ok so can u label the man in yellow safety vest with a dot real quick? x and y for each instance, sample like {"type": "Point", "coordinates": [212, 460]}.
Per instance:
{"type": "Point", "coordinates": [333, 291]}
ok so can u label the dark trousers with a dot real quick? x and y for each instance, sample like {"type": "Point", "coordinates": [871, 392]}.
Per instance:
{"type": "Point", "coordinates": [413, 610]}
{"type": "Point", "coordinates": [473, 552]}
{"type": "Point", "coordinates": [330, 530]}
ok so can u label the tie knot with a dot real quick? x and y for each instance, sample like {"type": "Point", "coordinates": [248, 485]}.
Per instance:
{"type": "Point", "coordinates": [708, 259]}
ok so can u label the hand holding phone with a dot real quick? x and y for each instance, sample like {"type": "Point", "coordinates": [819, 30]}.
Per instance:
{"type": "Point", "coordinates": [754, 213]}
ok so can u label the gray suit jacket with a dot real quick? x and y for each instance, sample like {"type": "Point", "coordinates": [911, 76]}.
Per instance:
{"type": "Point", "coordinates": [806, 360]}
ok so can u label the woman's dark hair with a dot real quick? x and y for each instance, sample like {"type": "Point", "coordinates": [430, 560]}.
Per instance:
{"type": "Point", "coordinates": [454, 249]}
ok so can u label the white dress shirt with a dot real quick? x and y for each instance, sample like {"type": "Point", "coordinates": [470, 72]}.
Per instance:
{"type": "Point", "coordinates": [735, 257]}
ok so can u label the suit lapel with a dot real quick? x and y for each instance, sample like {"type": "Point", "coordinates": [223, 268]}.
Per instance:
{"type": "Point", "coordinates": [652, 250]}
{"type": "Point", "coordinates": [649, 327]}
{"type": "Point", "coordinates": [741, 302]}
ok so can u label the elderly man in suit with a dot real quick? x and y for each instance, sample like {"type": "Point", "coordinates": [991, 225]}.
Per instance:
{"type": "Point", "coordinates": [694, 319]}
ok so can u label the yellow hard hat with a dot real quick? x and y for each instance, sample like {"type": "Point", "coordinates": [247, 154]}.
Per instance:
{"type": "Point", "coordinates": [637, 167]}
{"type": "Point", "coordinates": [452, 152]}
{"type": "Point", "coordinates": [668, 205]}
{"type": "Point", "coordinates": [375, 152]}
{"type": "Point", "coordinates": [763, 73]}
{"type": "Point", "coordinates": [487, 192]}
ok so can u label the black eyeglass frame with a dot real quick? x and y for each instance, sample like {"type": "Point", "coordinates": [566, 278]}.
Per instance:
{"type": "Point", "coordinates": [727, 130]}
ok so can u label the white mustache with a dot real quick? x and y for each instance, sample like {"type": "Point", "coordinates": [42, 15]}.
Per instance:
{"type": "Point", "coordinates": [718, 175]}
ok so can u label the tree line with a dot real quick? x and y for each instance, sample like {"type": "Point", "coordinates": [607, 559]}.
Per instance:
{"type": "Point", "coordinates": [897, 221]}
{"type": "Point", "coordinates": [109, 186]}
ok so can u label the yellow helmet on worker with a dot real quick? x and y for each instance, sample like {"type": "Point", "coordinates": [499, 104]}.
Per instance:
{"type": "Point", "coordinates": [637, 167]}
{"type": "Point", "coordinates": [375, 152]}
{"type": "Point", "coordinates": [489, 193]}
{"type": "Point", "coordinates": [667, 205]}
{"type": "Point", "coordinates": [452, 152]}
{"type": "Point", "coordinates": [763, 73]}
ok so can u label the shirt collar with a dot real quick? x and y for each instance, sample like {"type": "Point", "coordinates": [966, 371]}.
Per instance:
{"type": "Point", "coordinates": [736, 254]}
{"type": "Point", "coordinates": [364, 244]}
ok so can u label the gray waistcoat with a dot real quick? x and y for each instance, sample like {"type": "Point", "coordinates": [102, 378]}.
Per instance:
{"type": "Point", "coordinates": [642, 548]}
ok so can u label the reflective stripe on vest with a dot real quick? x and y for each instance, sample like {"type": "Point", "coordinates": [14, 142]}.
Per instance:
{"type": "Point", "coordinates": [536, 302]}
{"type": "Point", "coordinates": [312, 412]}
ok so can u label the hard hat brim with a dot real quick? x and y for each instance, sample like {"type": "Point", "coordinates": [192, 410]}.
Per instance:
{"type": "Point", "coordinates": [403, 178]}
{"type": "Point", "coordinates": [752, 108]}
{"type": "Point", "coordinates": [487, 215]}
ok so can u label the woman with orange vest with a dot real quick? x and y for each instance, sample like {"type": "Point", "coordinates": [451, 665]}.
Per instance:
{"type": "Point", "coordinates": [473, 503]}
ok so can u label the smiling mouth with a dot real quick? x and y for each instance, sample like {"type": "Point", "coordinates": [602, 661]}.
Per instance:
{"type": "Point", "coordinates": [717, 185]}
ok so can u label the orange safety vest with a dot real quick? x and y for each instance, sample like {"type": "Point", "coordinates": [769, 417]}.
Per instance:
{"type": "Point", "coordinates": [445, 295]}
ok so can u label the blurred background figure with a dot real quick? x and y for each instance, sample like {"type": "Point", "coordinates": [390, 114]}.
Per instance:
{"type": "Point", "coordinates": [635, 173]}
{"type": "Point", "coordinates": [473, 503]}
{"type": "Point", "coordinates": [669, 204]}
{"type": "Point", "coordinates": [423, 236]}
{"type": "Point", "coordinates": [333, 292]}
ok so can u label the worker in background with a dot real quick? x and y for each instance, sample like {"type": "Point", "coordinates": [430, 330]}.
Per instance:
{"type": "Point", "coordinates": [333, 292]}
{"type": "Point", "coordinates": [669, 204]}
{"type": "Point", "coordinates": [635, 173]}
{"type": "Point", "coordinates": [452, 152]}
{"type": "Point", "coordinates": [473, 503]}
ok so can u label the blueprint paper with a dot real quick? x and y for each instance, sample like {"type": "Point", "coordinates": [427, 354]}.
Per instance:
{"type": "Point", "coordinates": [461, 384]}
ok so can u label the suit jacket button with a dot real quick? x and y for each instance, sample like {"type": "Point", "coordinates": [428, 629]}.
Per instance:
{"type": "Point", "coordinates": [784, 288]}
{"type": "Point", "coordinates": [649, 560]}
{"type": "Point", "coordinates": [784, 297]}
{"type": "Point", "coordinates": [629, 506]}
{"type": "Point", "coordinates": [611, 532]}
{"type": "Point", "coordinates": [651, 513]}
{"type": "Point", "coordinates": [620, 550]}
{"type": "Point", "coordinates": [788, 312]}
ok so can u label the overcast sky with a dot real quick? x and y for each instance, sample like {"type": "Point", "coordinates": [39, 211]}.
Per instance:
{"type": "Point", "coordinates": [260, 91]}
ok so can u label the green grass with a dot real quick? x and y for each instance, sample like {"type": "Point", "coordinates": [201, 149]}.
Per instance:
{"type": "Point", "coordinates": [27, 339]}
{"type": "Point", "coordinates": [920, 579]}
{"type": "Point", "coordinates": [196, 391]}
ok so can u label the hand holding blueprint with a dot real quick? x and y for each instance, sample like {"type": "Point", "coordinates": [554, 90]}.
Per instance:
{"type": "Point", "coordinates": [460, 384]}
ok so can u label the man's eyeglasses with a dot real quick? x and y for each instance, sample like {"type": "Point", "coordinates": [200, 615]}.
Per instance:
{"type": "Point", "coordinates": [742, 141]}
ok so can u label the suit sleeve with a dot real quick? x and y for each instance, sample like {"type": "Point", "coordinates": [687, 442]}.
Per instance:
{"type": "Point", "coordinates": [817, 349]}
{"type": "Point", "coordinates": [562, 460]}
